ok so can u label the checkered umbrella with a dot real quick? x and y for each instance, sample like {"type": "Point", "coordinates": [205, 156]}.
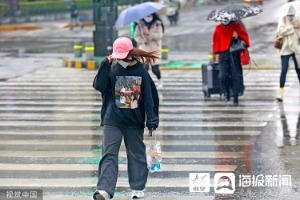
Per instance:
{"type": "Point", "coordinates": [234, 12]}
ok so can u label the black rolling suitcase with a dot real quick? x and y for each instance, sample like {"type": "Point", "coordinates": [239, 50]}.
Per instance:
{"type": "Point", "coordinates": [210, 79]}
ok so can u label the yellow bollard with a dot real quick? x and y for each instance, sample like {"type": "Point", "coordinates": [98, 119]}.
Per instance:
{"type": "Point", "coordinates": [211, 57]}
{"type": "Point", "coordinates": [78, 48]}
{"type": "Point", "coordinates": [91, 64]}
{"type": "Point", "coordinates": [164, 52]}
{"type": "Point", "coordinates": [89, 51]}
{"type": "Point", "coordinates": [78, 64]}
{"type": "Point", "coordinates": [70, 63]}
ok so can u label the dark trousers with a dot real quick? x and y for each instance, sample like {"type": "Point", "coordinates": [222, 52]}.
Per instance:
{"type": "Point", "coordinates": [231, 73]}
{"type": "Point", "coordinates": [285, 67]}
{"type": "Point", "coordinates": [155, 70]}
{"type": "Point", "coordinates": [136, 158]}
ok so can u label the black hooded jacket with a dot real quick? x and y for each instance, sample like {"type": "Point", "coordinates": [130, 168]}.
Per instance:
{"type": "Point", "coordinates": [128, 96]}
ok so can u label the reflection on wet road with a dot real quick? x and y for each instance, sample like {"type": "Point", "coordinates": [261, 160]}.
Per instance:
{"type": "Point", "coordinates": [50, 136]}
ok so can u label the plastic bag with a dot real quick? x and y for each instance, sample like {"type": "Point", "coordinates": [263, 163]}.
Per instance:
{"type": "Point", "coordinates": [154, 157]}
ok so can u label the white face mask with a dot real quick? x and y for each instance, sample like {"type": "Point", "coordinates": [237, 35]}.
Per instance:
{"type": "Point", "coordinates": [148, 19]}
{"type": "Point", "coordinates": [290, 18]}
{"type": "Point", "coordinates": [123, 63]}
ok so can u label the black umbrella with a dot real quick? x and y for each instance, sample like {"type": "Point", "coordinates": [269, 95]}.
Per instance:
{"type": "Point", "coordinates": [234, 12]}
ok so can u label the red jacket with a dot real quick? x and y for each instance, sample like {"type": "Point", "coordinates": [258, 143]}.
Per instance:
{"type": "Point", "coordinates": [223, 36]}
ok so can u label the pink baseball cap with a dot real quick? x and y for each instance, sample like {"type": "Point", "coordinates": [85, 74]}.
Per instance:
{"type": "Point", "coordinates": [121, 47]}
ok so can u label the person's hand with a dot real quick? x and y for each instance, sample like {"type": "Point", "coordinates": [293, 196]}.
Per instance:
{"type": "Point", "coordinates": [235, 35]}
{"type": "Point", "coordinates": [296, 24]}
{"type": "Point", "coordinates": [145, 30]}
{"type": "Point", "coordinates": [217, 58]}
{"type": "Point", "coordinates": [110, 59]}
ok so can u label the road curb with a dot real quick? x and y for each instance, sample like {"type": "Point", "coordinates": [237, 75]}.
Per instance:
{"type": "Point", "coordinates": [79, 63]}
{"type": "Point", "coordinates": [19, 27]}
{"type": "Point", "coordinates": [75, 25]}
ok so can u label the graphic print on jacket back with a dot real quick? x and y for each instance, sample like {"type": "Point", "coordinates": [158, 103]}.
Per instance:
{"type": "Point", "coordinates": [128, 91]}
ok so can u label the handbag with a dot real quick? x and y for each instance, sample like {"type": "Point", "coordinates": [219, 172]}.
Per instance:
{"type": "Point", "coordinates": [237, 45]}
{"type": "Point", "coordinates": [278, 42]}
{"type": "Point", "coordinates": [245, 57]}
{"type": "Point", "coordinates": [153, 154]}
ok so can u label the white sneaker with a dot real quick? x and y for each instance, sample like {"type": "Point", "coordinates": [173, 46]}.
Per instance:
{"type": "Point", "coordinates": [136, 194]}
{"type": "Point", "coordinates": [101, 195]}
{"type": "Point", "coordinates": [280, 97]}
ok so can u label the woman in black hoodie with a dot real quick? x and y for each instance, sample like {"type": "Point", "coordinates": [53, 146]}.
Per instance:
{"type": "Point", "coordinates": [125, 117]}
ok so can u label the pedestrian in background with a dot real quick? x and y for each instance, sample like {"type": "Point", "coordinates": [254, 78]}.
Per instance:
{"type": "Point", "coordinates": [231, 72]}
{"type": "Point", "coordinates": [125, 121]}
{"type": "Point", "coordinates": [172, 11]}
{"type": "Point", "coordinates": [148, 35]}
{"type": "Point", "coordinates": [288, 29]}
{"type": "Point", "coordinates": [74, 15]}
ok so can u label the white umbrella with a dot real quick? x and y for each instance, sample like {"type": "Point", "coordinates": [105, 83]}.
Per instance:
{"type": "Point", "coordinates": [137, 12]}
{"type": "Point", "coordinates": [283, 10]}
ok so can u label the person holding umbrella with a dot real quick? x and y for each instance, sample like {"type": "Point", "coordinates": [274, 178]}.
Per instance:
{"type": "Point", "coordinates": [231, 74]}
{"type": "Point", "coordinates": [125, 121]}
{"type": "Point", "coordinates": [288, 28]}
{"type": "Point", "coordinates": [226, 35]}
{"type": "Point", "coordinates": [148, 35]}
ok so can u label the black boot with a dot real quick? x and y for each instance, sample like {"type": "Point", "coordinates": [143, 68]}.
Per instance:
{"type": "Point", "coordinates": [236, 101]}
{"type": "Point", "coordinates": [227, 98]}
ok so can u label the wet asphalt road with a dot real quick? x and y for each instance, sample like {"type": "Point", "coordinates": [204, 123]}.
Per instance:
{"type": "Point", "coordinates": [50, 136]}
{"type": "Point", "coordinates": [193, 33]}
{"type": "Point", "coordinates": [190, 40]}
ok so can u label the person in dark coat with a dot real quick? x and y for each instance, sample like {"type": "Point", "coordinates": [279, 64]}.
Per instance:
{"type": "Point", "coordinates": [231, 73]}
{"type": "Point", "coordinates": [74, 15]}
{"type": "Point", "coordinates": [125, 117]}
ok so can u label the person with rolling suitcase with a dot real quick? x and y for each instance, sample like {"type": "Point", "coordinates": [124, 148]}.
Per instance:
{"type": "Point", "coordinates": [231, 73]}
{"type": "Point", "coordinates": [210, 79]}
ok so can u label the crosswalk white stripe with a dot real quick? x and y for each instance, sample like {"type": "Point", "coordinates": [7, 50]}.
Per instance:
{"type": "Point", "coordinates": [85, 154]}
{"type": "Point", "coordinates": [7, 85]}
{"type": "Point", "coordinates": [96, 123]}
{"type": "Point", "coordinates": [98, 132]}
{"type": "Point", "coordinates": [122, 167]}
{"type": "Point", "coordinates": [97, 142]}
{"type": "Point", "coordinates": [183, 75]}
{"type": "Point", "coordinates": [91, 91]}
{"type": "Point", "coordinates": [93, 102]}
{"type": "Point", "coordinates": [163, 109]}
{"type": "Point", "coordinates": [91, 182]}
{"type": "Point", "coordinates": [36, 116]}
{"type": "Point", "coordinates": [119, 197]}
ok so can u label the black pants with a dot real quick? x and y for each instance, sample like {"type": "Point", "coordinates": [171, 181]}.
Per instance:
{"type": "Point", "coordinates": [155, 70]}
{"type": "Point", "coordinates": [285, 67]}
{"type": "Point", "coordinates": [231, 74]}
{"type": "Point", "coordinates": [136, 158]}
